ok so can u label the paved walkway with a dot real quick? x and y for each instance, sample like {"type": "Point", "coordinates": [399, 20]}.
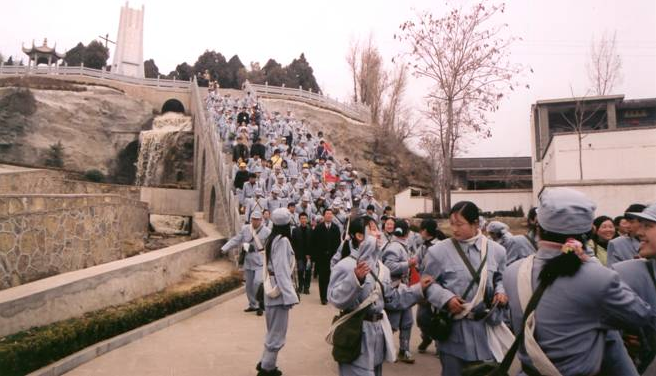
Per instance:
{"type": "Point", "coordinates": [226, 341]}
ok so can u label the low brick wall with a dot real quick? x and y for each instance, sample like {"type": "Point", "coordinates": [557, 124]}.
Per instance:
{"type": "Point", "coordinates": [50, 181]}
{"type": "Point", "coordinates": [43, 235]}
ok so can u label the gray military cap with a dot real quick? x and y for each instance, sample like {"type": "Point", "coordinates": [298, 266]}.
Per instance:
{"type": "Point", "coordinates": [281, 217]}
{"type": "Point", "coordinates": [497, 227]}
{"type": "Point", "coordinates": [256, 214]}
{"type": "Point", "coordinates": [648, 214]}
{"type": "Point", "coordinates": [565, 211]}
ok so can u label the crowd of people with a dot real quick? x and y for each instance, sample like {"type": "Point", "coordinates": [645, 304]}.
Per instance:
{"type": "Point", "coordinates": [575, 295]}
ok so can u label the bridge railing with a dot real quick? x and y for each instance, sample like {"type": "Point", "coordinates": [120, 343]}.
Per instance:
{"type": "Point", "coordinates": [355, 111]}
{"type": "Point", "coordinates": [15, 70]}
{"type": "Point", "coordinates": [218, 160]}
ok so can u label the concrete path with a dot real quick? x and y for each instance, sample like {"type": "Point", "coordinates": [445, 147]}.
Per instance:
{"type": "Point", "coordinates": [226, 341]}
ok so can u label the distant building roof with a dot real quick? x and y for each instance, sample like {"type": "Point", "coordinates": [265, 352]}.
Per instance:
{"type": "Point", "coordinates": [585, 99]}
{"type": "Point", "coordinates": [494, 163]}
{"type": "Point", "coordinates": [44, 50]}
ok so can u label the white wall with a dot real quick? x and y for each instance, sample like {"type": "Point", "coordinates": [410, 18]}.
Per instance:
{"type": "Point", "coordinates": [495, 200]}
{"type": "Point", "coordinates": [406, 206]}
{"type": "Point", "coordinates": [629, 154]}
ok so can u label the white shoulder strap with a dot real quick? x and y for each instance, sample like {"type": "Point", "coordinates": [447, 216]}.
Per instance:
{"type": "Point", "coordinates": [525, 290]}
{"type": "Point", "coordinates": [480, 292]}
{"type": "Point", "coordinates": [375, 294]}
{"type": "Point", "coordinates": [256, 238]}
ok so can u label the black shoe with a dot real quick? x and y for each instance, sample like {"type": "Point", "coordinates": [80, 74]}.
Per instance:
{"type": "Point", "coordinates": [250, 309]}
{"type": "Point", "coordinates": [423, 346]}
{"type": "Point", "coordinates": [259, 312]}
{"type": "Point", "coordinates": [263, 372]}
{"type": "Point", "coordinates": [306, 291]}
{"type": "Point", "coordinates": [324, 302]}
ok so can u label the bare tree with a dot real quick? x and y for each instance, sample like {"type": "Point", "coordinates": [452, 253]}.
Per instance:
{"type": "Point", "coordinates": [585, 117]}
{"type": "Point", "coordinates": [604, 67]}
{"type": "Point", "coordinates": [352, 61]}
{"type": "Point", "coordinates": [467, 63]}
{"type": "Point", "coordinates": [381, 89]}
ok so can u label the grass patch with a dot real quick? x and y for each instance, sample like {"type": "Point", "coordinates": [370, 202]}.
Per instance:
{"type": "Point", "coordinates": [29, 350]}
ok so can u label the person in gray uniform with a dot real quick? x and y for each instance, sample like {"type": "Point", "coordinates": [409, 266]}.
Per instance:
{"type": "Point", "coordinates": [353, 281]}
{"type": "Point", "coordinates": [431, 235]}
{"type": "Point", "coordinates": [280, 266]}
{"type": "Point", "coordinates": [626, 247]}
{"type": "Point", "coordinates": [454, 264]}
{"type": "Point", "coordinates": [573, 328]}
{"type": "Point", "coordinates": [252, 237]}
{"type": "Point", "coordinates": [517, 246]}
{"type": "Point", "coordinates": [640, 275]}
{"type": "Point", "coordinates": [258, 203]}
{"type": "Point", "coordinates": [396, 257]}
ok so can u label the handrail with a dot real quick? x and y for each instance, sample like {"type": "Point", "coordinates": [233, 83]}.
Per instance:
{"type": "Point", "coordinates": [12, 70]}
{"type": "Point", "coordinates": [218, 158]}
{"type": "Point", "coordinates": [356, 111]}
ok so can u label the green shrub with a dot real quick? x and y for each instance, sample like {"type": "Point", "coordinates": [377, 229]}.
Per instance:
{"type": "Point", "coordinates": [94, 175]}
{"type": "Point", "coordinates": [29, 350]}
{"type": "Point", "coordinates": [55, 155]}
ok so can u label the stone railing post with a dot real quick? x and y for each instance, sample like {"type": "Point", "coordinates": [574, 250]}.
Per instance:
{"type": "Point", "coordinates": [2, 64]}
{"type": "Point", "coordinates": [158, 80]}
{"type": "Point", "coordinates": [82, 69]}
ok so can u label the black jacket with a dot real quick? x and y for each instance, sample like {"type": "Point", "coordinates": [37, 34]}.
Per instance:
{"type": "Point", "coordinates": [240, 151]}
{"type": "Point", "coordinates": [325, 242]}
{"type": "Point", "coordinates": [241, 177]}
{"type": "Point", "coordinates": [302, 241]}
{"type": "Point", "coordinates": [258, 149]}
{"type": "Point", "coordinates": [243, 117]}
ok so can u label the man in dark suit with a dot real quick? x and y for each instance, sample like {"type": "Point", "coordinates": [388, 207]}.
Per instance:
{"type": "Point", "coordinates": [243, 117]}
{"type": "Point", "coordinates": [240, 151]}
{"type": "Point", "coordinates": [301, 243]}
{"type": "Point", "coordinates": [325, 241]}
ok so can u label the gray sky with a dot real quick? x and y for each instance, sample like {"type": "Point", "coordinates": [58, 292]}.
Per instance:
{"type": "Point", "coordinates": [556, 39]}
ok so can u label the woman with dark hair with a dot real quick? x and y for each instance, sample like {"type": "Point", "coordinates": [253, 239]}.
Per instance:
{"type": "Point", "coordinates": [397, 258]}
{"type": "Point", "coordinates": [580, 303]}
{"type": "Point", "coordinates": [279, 266]}
{"type": "Point", "coordinates": [387, 225]}
{"type": "Point", "coordinates": [468, 271]}
{"type": "Point", "coordinates": [360, 283]}
{"type": "Point", "coordinates": [431, 235]}
{"type": "Point", "coordinates": [603, 231]}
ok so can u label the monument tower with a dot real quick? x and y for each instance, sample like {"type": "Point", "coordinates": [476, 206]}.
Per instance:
{"type": "Point", "coordinates": [128, 54]}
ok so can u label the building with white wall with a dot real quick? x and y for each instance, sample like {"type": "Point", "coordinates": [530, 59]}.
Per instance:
{"type": "Point", "coordinates": [411, 202]}
{"type": "Point", "coordinates": [615, 164]}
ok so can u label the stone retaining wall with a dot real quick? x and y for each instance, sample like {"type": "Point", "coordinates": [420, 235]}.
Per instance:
{"type": "Point", "coordinates": [42, 235]}
{"type": "Point", "coordinates": [72, 294]}
{"type": "Point", "coordinates": [50, 181]}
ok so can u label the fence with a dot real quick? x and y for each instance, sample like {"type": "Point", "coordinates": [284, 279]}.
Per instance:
{"type": "Point", "coordinates": [15, 70]}
{"type": "Point", "coordinates": [217, 160]}
{"type": "Point", "coordinates": [356, 111]}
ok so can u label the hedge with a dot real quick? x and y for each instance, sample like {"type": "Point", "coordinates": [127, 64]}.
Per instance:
{"type": "Point", "coordinates": [29, 350]}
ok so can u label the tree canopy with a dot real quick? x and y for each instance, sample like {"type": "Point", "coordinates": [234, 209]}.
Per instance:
{"type": "Point", "coordinates": [231, 74]}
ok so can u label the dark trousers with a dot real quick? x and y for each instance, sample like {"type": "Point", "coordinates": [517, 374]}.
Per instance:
{"type": "Point", "coordinates": [289, 140]}
{"type": "Point", "coordinates": [323, 270]}
{"type": "Point", "coordinates": [304, 270]}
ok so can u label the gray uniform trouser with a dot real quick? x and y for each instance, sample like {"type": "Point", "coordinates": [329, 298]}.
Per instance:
{"type": "Point", "coordinates": [277, 318]}
{"type": "Point", "coordinates": [253, 280]}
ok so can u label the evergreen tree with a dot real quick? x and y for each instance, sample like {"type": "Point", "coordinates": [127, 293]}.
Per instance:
{"type": "Point", "coordinates": [300, 73]}
{"type": "Point", "coordinates": [150, 69]}
{"type": "Point", "coordinates": [75, 56]}
{"type": "Point", "coordinates": [96, 55]}
{"type": "Point", "coordinates": [233, 67]}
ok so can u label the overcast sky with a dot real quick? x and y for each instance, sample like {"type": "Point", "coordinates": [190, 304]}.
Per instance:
{"type": "Point", "coordinates": [556, 41]}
